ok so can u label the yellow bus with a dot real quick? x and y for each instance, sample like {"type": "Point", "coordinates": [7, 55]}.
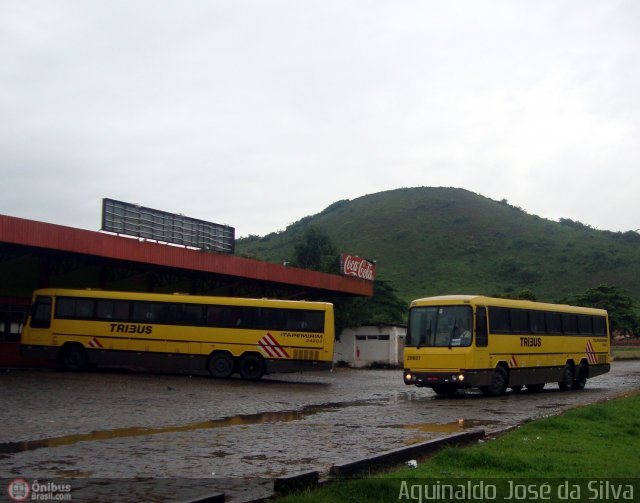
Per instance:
{"type": "Point", "coordinates": [224, 335]}
{"type": "Point", "coordinates": [466, 341]}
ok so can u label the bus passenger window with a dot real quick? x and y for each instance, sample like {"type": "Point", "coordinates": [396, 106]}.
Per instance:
{"type": "Point", "coordinates": [499, 319]}
{"type": "Point", "coordinates": [536, 322]}
{"type": "Point", "coordinates": [191, 314]}
{"type": "Point", "coordinates": [599, 325]}
{"type": "Point", "coordinates": [519, 321]}
{"type": "Point", "coordinates": [584, 325]}
{"type": "Point", "coordinates": [214, 316]}
{"type": "Point", "coordinates": [553, 323]}
{"type": "Point", "coordinates": [569, 324]}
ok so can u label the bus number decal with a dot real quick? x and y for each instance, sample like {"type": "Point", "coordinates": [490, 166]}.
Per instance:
{"type": "Point", "coordinates": [530, 342]}
{"type": "Point", "coordinates": [122, 328]}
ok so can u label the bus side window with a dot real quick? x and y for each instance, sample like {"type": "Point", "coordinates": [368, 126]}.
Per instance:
{"type": "Point", "coordinates": [481, 327]}
{"type": "Point", "coordinates": [41, 313]}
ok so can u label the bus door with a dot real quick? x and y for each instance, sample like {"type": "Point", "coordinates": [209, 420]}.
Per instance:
{"type": "Point", "coordinates": [481, 340]}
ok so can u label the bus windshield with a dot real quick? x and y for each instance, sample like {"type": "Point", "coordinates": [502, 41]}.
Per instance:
{"type": "Point", "coordinates": [439, 326]}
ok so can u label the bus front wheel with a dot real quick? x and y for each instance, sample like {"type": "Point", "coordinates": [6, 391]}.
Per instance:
{"type": "Point", "coordinates": [251, 366]}
{"type": "Point", "coordinates": [73, 357]}
{"type": "Point", "coordinates": [221, 365]}
{"type": "Point", "coordinates": [499, 383]}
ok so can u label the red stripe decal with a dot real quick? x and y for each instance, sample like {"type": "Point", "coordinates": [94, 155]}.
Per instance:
{"type": "Point", "coordinates": [591, 355]}
{"type": "Point", "coordinates": [279, 349]}
{"type": "Point", "coordinates": [265, 348]}
{"type": "Point", "coordinates": [271, 347]}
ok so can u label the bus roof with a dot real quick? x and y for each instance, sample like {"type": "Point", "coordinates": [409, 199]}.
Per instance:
{"type": "Point", "coordinates": [180, 297]}
{"type": "Point", "coordinates": [497, 302]}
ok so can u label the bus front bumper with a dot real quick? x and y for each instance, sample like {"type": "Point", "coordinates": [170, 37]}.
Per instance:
{"type": "Point", "coordinates": [456, 378]}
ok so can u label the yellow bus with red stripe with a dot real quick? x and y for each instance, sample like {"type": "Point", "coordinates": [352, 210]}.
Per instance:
{"type": "Point", "coordinates": [464, 341]}
{"type": "Point", "coordinates": [224, 335]}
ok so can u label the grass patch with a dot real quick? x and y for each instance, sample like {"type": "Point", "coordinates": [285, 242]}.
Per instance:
{"type": "Point", "coordinates": [599, 441]}
{"type": "Point", "coordinates": [625, 352]}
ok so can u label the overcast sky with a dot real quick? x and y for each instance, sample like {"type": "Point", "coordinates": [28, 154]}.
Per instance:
{"type": "Point", "coordinates": [256, 113]}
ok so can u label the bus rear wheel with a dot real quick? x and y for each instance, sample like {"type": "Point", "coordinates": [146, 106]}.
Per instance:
{"type": "Point", "coordinates": [581, 377]}
{"type": "Point", "coordinates": [499, 383]}
{"type": "Point", "coordinates": [73, 357]}
{"type": "Point", "coordinates": [221, 365]}
{"type": "Point", "coordinates": [251, 366]}
{"type": "Point", "coordinates": [566, 381]}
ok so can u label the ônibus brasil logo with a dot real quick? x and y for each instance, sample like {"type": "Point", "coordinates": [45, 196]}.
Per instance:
{"type": "Point", "coordinates": [19, 489]}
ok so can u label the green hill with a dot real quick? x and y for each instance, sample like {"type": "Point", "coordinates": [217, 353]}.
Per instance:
{"type": "Point", "coordinates": [430, 241]}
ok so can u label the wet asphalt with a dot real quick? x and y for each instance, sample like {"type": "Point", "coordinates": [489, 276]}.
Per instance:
{"type": "Point", "coordinates": [234, 435]}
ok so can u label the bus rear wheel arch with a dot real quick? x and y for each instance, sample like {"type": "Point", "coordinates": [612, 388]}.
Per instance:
{"type": "Point", "coordinates": [73, 356]}
{"type": "Point", "coordinates": [221, 364]}
{"type": "Point", "coordinates": [251, 366]}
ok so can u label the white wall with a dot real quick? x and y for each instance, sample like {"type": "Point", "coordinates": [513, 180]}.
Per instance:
{"type": "Point", "coordinates": [363, 346]}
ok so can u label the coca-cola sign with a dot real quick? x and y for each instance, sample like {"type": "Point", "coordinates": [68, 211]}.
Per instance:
{"type": "Point", "coordinates": [352, 265]}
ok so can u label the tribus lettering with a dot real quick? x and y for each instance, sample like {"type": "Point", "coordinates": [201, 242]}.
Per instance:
{"type": "Point", "coordinates": [530, 342]}
{"type": "Point", "coordinates": [121, 328]}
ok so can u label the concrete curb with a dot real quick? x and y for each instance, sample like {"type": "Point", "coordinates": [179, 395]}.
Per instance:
{"type": "Point", "coordinates": [296, 482]}
{"type": "Point", "coordinates": [403, 454]}
{"type": "Point", "coordinates": [310, 480]}
{"type": "Point", "coordinates": [211, 498]}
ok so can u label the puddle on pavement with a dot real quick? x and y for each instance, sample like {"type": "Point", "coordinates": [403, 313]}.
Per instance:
{"type": "Point", "coordinates": [452, 427]}
{"type": "Point", "coordinates": [239, 420]}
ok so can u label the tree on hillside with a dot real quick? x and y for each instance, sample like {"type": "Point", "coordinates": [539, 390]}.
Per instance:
{"type": "Point", "coordinates": [316, 252]}
{"type": "Point", "coordinates": [524, 294]}
{"type": "Point", "coordinates": [616, 301]}
{"type": "Point", "coordinates": [384, 308]}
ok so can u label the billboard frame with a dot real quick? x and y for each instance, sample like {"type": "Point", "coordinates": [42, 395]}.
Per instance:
{"type": "Point", "coordinates": [142, 222]}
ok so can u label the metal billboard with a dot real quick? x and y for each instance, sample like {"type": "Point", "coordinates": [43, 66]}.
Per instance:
{"type": "Point", "coordinates": [133, 220]}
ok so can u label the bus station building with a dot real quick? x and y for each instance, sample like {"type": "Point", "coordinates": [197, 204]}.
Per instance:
{"type": "Point", "coordinates": [36, 255]}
